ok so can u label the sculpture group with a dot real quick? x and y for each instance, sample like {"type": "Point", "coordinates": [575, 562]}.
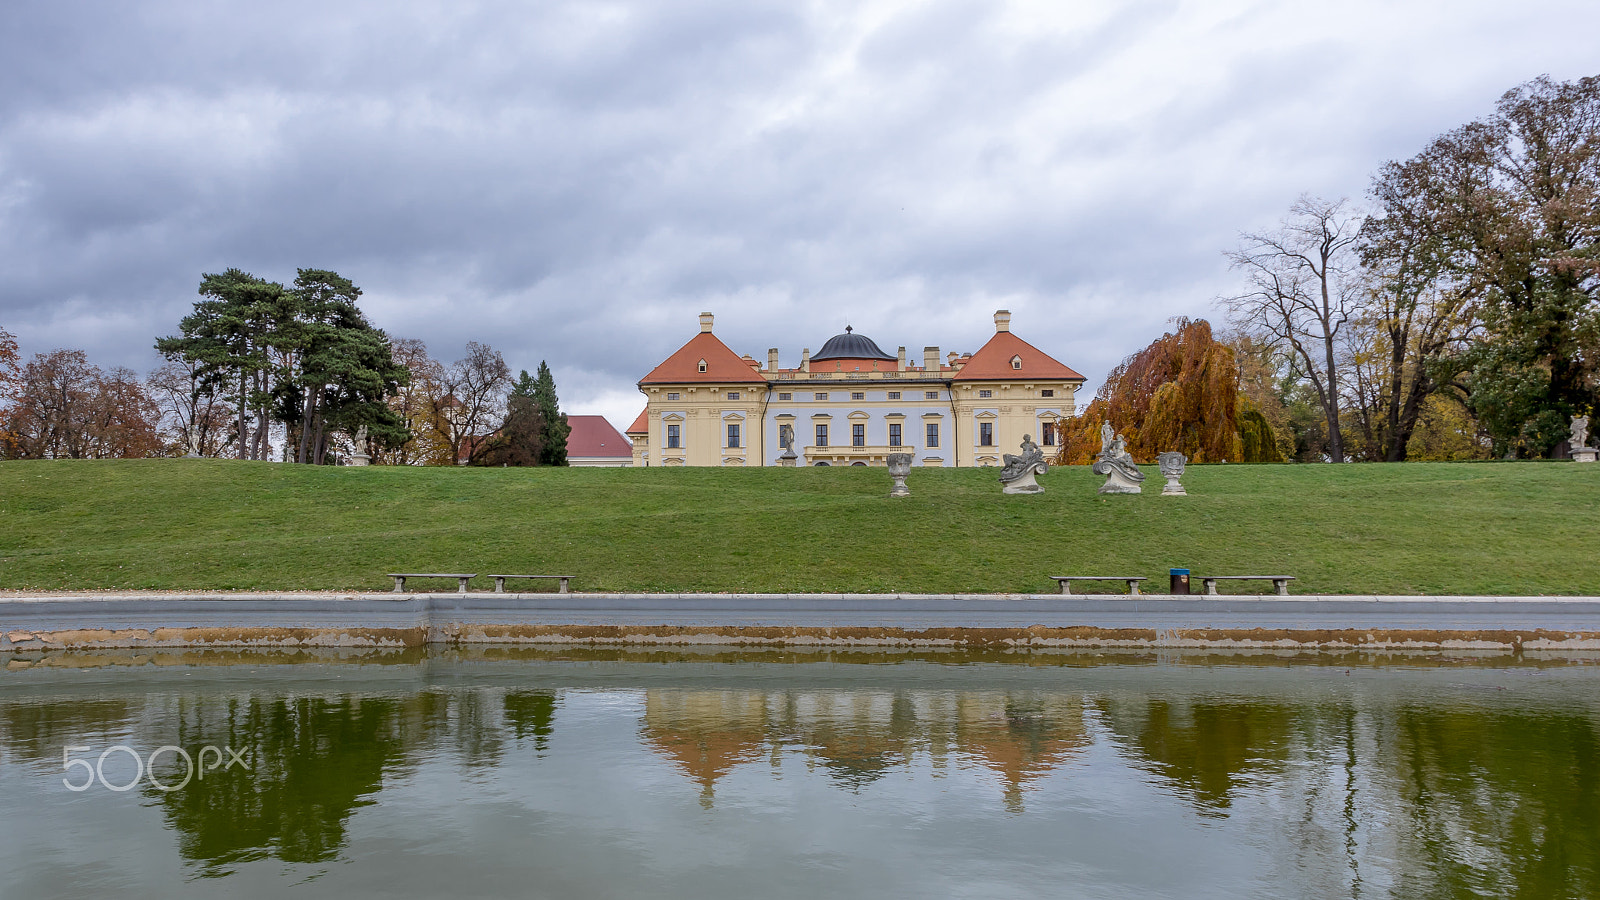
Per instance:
{"type": "Point", "coordinates": [1579, 440]}
{"type": "Point", "coordinates": [1021, 470]}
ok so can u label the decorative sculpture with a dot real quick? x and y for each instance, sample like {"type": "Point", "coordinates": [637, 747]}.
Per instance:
{"type": "Point", "coordinates": [1172, 463]}
{"type": "Point", "coordinates": [1116, 463]}
{"type": "Point", "coordinates": [360, 457]}
{"type": "Point", "coordinates": [1020, 469]}
{"type": "Point", "coordinates": [899, 468]}
{"type": "Point", "coordinates": [1581, 451]}
{"type": "Point", "coordinates": [788, 457]}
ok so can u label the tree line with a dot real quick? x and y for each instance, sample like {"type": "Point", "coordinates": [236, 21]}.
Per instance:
{"type": "Point", "coordinates": [260, 370]}
{"type": "Point", "coordinates": [1456, 316]}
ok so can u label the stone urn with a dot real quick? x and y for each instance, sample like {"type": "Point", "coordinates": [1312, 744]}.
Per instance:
{"type": "Point", "coordinates": [1172, 463]}
{"type": "Point", "coordinates": [899, 468]}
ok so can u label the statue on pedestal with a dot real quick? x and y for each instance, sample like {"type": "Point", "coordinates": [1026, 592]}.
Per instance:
{"type": "Point", "coordinates": [1020, 468]}
{"type": "Point", "coordinates": [1116, 463]}
{"type": "Point", "coordinates": [360, 457]}
{"type": "Point", "coordinates": [1172, 463]}
{"type": "Point", "coordinates": [786, 441]}
{"type": "Point", "coordinates": [1581, 451]}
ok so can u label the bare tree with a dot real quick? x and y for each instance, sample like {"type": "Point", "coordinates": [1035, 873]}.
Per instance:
{"type": "Point", "coordinates": [1304, 289]}
{"type": "Point", "coordinates": [69, 409]}
{"type": "Point", "coordinates": [194, 419]}
{"type": "Point", "coordinates": [471, 402]}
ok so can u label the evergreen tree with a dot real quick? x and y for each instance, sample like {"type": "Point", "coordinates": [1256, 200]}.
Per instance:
{"type": "Point", "coordinates": [553, 422]}
{"type": "Point", "coordinates": [519, 441]}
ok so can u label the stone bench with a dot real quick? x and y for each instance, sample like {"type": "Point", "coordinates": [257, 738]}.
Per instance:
{"type": "Point", "coordinates": [1067, 580]}
{"type": "Point", "coordinates": [500, 581]}
{"type": "Point", "coordinates": [1280, 583]}
{"type": "Point", "coordinates": [461, 579]}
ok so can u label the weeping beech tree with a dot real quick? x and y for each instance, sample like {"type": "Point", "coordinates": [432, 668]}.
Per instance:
{"type": "Point", "coordinates": [1180, 393]}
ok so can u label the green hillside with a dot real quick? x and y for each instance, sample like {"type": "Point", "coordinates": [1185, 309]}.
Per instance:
{"type": "Point", "coordinates": [1490, 528]}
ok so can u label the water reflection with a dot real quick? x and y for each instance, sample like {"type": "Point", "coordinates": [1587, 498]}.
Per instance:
{"type": "Point", "coordinates": [1405, 784]}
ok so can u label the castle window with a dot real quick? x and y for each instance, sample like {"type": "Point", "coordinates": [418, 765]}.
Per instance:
{"type": "Point", "coordinates": [986, 434]}
{"type": "Point", "coordinates": [819, 396]}
{"type": "Point", "coordinates": [733, 395]}
{"type": "Point", "coordinates": [733, 436]}
{"type": "Point", "coordinates": [1047, 392]}
{"type": "Point", "coordinates": [822, 435]}
{"type": "Point", "coordinates": [930, 395]}
{"type": "Point", "coordinates": [894, 434]}
{"type": "Point", "coordinates": [702, 365]}
{"type": "Point", "coordinates": [858, 395]}
{"type": "Point", "coordinates": [672, 437]}
{"type": "Point", "coordinates": [1016, 362]}
{"type": "Point", "coordinates": [672, 395]}
{"type": "Point", "coordinates": [933, 434]}
{"type": "Point", "coordinates": [894, 395]}
{"type": "Point", "coordinates": [858, 435]}
{"type": "Point", "coordinates": [1047, 434]}
{"type": "Point", "coordinates": [783, 396]}
{"type": "Point", "coordinates": [985, 394]}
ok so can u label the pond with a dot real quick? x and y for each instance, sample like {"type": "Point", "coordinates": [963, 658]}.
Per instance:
{"type": "Point", "coordinates": [502, 772]}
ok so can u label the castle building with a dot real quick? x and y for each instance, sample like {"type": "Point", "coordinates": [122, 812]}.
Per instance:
{"type": "Point", "coordinates": [851, 404]}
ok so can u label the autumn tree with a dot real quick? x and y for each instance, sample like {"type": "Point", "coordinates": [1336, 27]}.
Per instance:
{"type": "Point", "coordinates": [1515, 199]}
{"type": "Point", "coordinates": [1305, 286]}
{"type": "Point", "coordinates": [1179, 393]}
{"type": "Point", "coordinates": [413, 403]}
{"type": "Point", "coordinates": [10, 371]}
{"type": "Point", "coordinates": [66, 408]}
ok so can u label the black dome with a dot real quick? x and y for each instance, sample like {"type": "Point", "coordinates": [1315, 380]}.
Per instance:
{"type": "Point", "coordinates": [851, 346]}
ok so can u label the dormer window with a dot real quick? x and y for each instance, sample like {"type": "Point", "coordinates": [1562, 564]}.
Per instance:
{"type": "Point", "coordinates": [1016, 362]}
{"type": "Point", "coordinates": [702, 366]}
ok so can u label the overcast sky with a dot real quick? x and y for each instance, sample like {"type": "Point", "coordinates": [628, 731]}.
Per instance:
{"type": "Point", "coordinates": [574, 182]}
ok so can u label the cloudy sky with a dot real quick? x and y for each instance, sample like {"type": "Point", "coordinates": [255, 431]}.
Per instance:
{"type": "Point", "coordinates": [575, 181]}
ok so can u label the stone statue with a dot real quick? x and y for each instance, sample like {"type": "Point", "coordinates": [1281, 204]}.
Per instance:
{"type": "Point", "coordinates": [786, 440]}
{"type": "Point", "coordinates": [1116, 463]}
{"type": "Point", "coordinates": [1020, 468]}
{"type": "Point", "coordinates": [1172, 463]}
{"type": "Point", "coordinates": [360, 457]}
{"type": "Point", "coordinates": [899, 468]}
{"type": "Point", "coordinates": [1581, 451]}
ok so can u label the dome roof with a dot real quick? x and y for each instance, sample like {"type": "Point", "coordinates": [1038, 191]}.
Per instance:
{"type": "Point", "coordinates": [850, 346]}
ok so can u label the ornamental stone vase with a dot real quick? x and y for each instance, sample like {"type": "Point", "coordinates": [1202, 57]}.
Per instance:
{"type": "Point", "coordinates": [1172, 463]}
{"type": "Point", "coordinates": [899, 468]}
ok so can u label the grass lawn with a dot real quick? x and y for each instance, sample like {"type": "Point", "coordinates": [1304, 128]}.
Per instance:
{"type": "Point", "coordinates": [1411, 528]}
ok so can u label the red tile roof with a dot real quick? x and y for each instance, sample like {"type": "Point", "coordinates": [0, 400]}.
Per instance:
{"type": "Point", "coordinates": [641, 425]}
{"type": "Point", "coordinates": [992, 362]}
{"type": "Point", "coordinates": [722, 364]}
{"type": "Point", "coordinates": [593, 436]}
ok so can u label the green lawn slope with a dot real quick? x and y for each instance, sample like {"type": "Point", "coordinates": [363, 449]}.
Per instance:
{"type": "Point", "coordinates": [1413, 528]}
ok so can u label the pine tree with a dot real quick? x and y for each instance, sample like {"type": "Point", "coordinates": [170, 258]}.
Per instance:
{"type": "Point", "coordinates": [554, 428]}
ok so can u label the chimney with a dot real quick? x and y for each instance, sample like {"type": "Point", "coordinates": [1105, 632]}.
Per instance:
{"type": "Point", "coordinates": [805, 360]}
{"type": "Point", "coordinates": [1002, 320]}
{"type": "Point", "coordinates": [902, 365]}
{"type": "Point", "coordinates": [705, 322]}
{"type": "Point", "coordinates": [930, 359]}
{"type": "Point", "coordinates": [772, 359]}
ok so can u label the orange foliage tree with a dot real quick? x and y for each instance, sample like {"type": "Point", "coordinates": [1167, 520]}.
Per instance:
{"type": "Point", "coordinates": [1180, 393]}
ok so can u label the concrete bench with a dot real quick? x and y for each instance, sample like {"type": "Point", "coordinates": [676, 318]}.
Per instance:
{"type": "Point", "coordinates": [1280, 583]}
{"type": "Point", "coordinates": [1067, 580]}
{"type": "Point", "coordinates": [400, 579]}
{"type": "Point", "coordinates": [500, 581]}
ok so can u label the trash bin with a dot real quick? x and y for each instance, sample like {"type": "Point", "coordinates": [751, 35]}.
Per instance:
{"type": "Point", "coordinates": [1180, 581]}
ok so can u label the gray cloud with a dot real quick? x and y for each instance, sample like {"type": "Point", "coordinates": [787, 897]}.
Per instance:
{"type": "Point", "coordinates": [574, 181]}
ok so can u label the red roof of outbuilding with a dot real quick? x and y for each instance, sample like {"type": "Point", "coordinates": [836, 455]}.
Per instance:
{"type": "Point", "coordinates": [992, 362]}
{"type": "Point", "coordinates": [641, 425]}
{"type": "Point", "coordinates": [722, 364]}
{"type": "Point", "coordinates": [594, 436]}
